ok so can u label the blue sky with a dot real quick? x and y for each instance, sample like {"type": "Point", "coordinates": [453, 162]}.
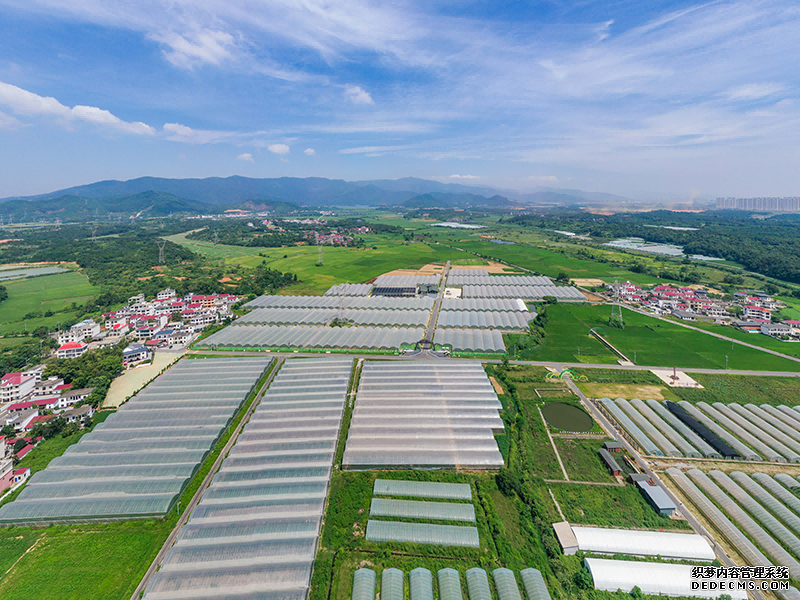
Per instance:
{"type": "Point", "coordinates": [674, 101]}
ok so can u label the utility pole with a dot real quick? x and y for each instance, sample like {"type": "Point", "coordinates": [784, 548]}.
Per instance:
{"type": "Point", "coordinates": [726, 362]}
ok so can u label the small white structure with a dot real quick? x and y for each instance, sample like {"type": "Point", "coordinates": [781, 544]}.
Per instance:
{"type": "Point", "coordinates": [72, 350]}
{"type": "Point", "coordinates": [689, 546]}
{"type": "Point", "coordinates": [652, 578]}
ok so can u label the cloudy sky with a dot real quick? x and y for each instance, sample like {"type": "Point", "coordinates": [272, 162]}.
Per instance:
{"type": "Point", "coordinates": [677, 101]}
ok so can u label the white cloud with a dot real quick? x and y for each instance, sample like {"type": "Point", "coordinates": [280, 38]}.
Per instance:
{"type": "Point", "coordinates": [181, 133]}
{"type": "Point", "coordinates": [24, 102]}
{"type": "Point", "coordinates": [544, 178]}
{"type": "Point", "coordinates": [10, 123]}
{"type": "Point", "coordinates": [246, 157]}
{"type": "Point", "coordinates": [278, 148]}
{"type": "Point", "coordinates": [372, 149]}
{"type": "Point", "coordinates": [196, 48]}
{"type": "Point", "coordinates": [309, 152]}
{"type": "Point", "coordinates": [357, 95]}
{"type": "Point", "coordinates": [464, 177]}
{"type": "Point", "coordinates": [754, 91]}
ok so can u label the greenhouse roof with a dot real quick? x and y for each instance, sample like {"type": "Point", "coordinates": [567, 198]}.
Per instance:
{"type": "Point", "coordinates": [643, 543]}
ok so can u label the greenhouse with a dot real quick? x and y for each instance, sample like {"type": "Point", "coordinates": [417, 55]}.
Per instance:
{"type": "Point", "coordinates": [478, 584]}
{"type": "Point", "coordinates": [449, 584]}
{"type": "Point", "coordinates": [392, 583]}
{"type": "Point", "coordinates": [528, 292]}
{"type": "Point", "coordinates": [422, 533]}
{"type": "Point", "coordinates": [535, 587]}
{"type": "Point", "coordinates": [137, 462]}
{"type": "Point", "coordinates": [484, 320]}
{"type": "Point", "coordinates": [364, 581]}
{"type": "Point", "coordinates": [410, 509]}
{"type": "Point", "coordinates": [733, 423]}
{"type": "Point", "coordinates": [651, 578]}
{"type": "Point", "coordinates": [633, 430]}
{"type": "Point", "coordinates": [506, 584]}
{"type": "Point", "coordinates": [764, 540]}
{"type": "Point", "coordinates": [771, 436]}
{"type": "Point", "coordinates": [420, 584]}
{"type": "Point", "coordinates": [776, 505]}
{"type": "Point", "coordinates": [261, 515]}
{"type": "Point", "coordinates": [424, 414]}
{"type": "Point", "coordinates": [777, 419]}
{"type": "Point", "coordinates": [788, 480]}
{"type": "Point", "coordinates": [683, 429]}
{"type": "Point", "coordinates": [361, 303]}
{"type": "Point", "coordinates": [732, 441]}
{"type": "Point", "coordinates": [486, 305]}
{"type": "Point", "coordinates": [789, 413]}
{"type": "Point", "coordinates": [406, 280]}
{"type": "Point", "coordinates": [323, 316]}
{"type": "Point", "coordinates": [457, 278]}
{"type": "Point", "coordinates": [667, 447]}
{"type": "Point", "coordinates": [290, 337]}
{"type": "Point", "coordinates": [422, 489]}
{"type": "Point", "coordinates": [350, 289]}
{"type": "Point", "coordinates": [686, 546]}
{"type": "Point", "coordinates": [470, 341]}
{"type": "Point", "coordinates": [685, 448]}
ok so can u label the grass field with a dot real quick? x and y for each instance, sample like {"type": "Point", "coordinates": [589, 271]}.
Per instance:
{"type": "Point", "coordinates": [757, 339]}
{"type": "Point", "coordinates": [39, 294]}
{"type": "Point", "coordinates": [626, 390]}
{"type": "Point", "coordinates": [654, 342]}
{"type": "Point", "coordinates": [581, 460]}
{"type": "Point", "coordinates": [743, 389]}
{"type": "Point", "coordinates": [339, 264]}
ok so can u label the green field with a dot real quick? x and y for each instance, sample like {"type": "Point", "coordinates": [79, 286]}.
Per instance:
{"type": "Point", "coordinates": [339, 264]}
{"type": "Point", "coordinates": [756, 339]}
{"type": "Point", "coordinates": [655, 342]}
{"type": "Point", "coordinates": [581, 460]}
{"type": "Point", "coordinates": [54, 293]}
{"type": "Point", "coordinates": [743, 389]}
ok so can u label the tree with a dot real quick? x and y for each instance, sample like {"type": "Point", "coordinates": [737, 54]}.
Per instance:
{"type": "Point", "coordinates": [19, 445]}
{"type": "Point", "coordinates": [563, 277]}
{"type": "Point", "coordinates": [583, 580]}
{"type": "Point", "coordinates": [772, 289]}
{"type": "Point", "coordinates": [8, 431]}
{"type": "Point", "coordinates": [3, 293]}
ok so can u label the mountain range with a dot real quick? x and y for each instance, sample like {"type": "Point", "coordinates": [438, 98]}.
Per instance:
{"type": "Point", "coordinates": [155, 196]}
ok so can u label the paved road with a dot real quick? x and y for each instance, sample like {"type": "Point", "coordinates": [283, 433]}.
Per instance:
{"type": "Point", "coordinates": [203, 487]}
{"type": "Point", "coordinates": [645, 467]}
{"type": "Point", "coordinates": [437, 306]}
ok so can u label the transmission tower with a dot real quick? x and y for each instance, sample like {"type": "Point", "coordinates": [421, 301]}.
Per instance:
{"type": "Point", "coordinates": [616, 319]}
{"type": "Point", "coordinates": [94, 232]}
{"type": "Point", "coordinates": [161, 244]}
{"type": "Point", "coordinates": [216, 237]}
{"type": "Point", "coordinates": [319, 252]}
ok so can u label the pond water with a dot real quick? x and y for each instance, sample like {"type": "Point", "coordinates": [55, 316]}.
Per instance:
{"type": "Point", "coordinates": [567, 417]}
{"type": "Point", "coordinates": [7, 273]}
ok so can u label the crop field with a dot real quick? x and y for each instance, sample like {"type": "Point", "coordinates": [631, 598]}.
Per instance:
{"type": "Point", "coordinates": [355, 265]}
{"type": "Point", "coordinates": [654, 342]}
{"type": "Point", "coordinates": [581, 460]}
{"type": "Point", "coordinates": [627, 391]}
{"type": "Point", "coordinates": [757, 339]}
{"type": "Point", "coordinates": [41, 294]}
{"type": "Point", "coordinates": [743, 389]}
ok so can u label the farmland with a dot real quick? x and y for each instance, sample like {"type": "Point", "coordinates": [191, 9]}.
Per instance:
{"type": "Point", "coordinates": [581, 459]}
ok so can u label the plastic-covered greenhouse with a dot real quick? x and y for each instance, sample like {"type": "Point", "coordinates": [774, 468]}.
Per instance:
{"type": "Point", "coordinates": [775, 505]}
{"type": "Point", "coordinates": [422, 533]}
{"type": "Point", "coordinates": [706, 434]}
{"type": "Point", "coordinates": [137, 462]}
{"type": "Point", "coordinates": [528, 292]}
{"type": "Point", "coordinates": [665, 428]}
{"type": "Point", "coordinates": [422, 489]}
{"type": "Point", "coordinates": [733, 423]}
{"type": "Point", "coordinates": [633, 430]}
{"type": "Point", "coordinates": [777, 490]}
{"type": "Point", "coordinates": [651, 578]}
{"type": "Point", "coordinates": [731, 440]}
{"type": "Point", "coordinates": [470, 341]}
{"type": "Point", "coordinates": [506, 584]}
{"type": "Point", "coordinates": [292, 337]}
{"type": "Point", "coordinates": [535, 587]}
{"type": "Point", "coordinates": [458, 278]}
{"type": "Point", "coordinates": [420, 584]}
{"type": "Point", "coordinates": [789, 413]}
{"type": "Point", "coordinates": [350, 289]}
{"type": "Point", "coordinates": [788, 480]}
{"type": "Point", "coordinates": [364, 581]}
{"type": "Point", "coordinates": [478, 584]}
{"type": "Point", "coordinates": [485, 305]}
{"type": "Point", "coordinates": [424, 414]}
{"type": "Point", "coordinates": [256, 526]}
{"type": "Point", "coordinates": [686, 546]}
{"type": "Point", "coordinates": [363, 303]}
{"type": "Point", "coordinates": [684, 430]}
{"type": "Point", "coordinates": [392, 581]}
{"type": "Point", "coordinates": [770, 435]}
{"type": "Point", "coordinates": [722, 523]}
{"type": "Point", "coordinates": [484, 319]}
{"type": "Point", "coordinates": [323, 316]}
{"type": "Point", "coordinates": [411, 509]}
{"type": "Point", "coordinates": [666, 446]}
{"type": "Point", "coordinates": [777, 419]}
{"type": "Point", "coordinates": [774, 549]}
{"type": "Point", "coordinates": [449, 584]}
{"type": "Point", "coordinates": [406, 280]}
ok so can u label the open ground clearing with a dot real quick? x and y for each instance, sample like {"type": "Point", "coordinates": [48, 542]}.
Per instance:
{"type": "Point", "coordinates": [581, 460]}
{"type": "Point", "coordinates": [133, 379]}
{"type": "Point", "coordinates": [626, 390]}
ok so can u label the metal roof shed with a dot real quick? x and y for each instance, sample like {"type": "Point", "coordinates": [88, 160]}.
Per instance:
{"type": "Point", "coordinates": [657, 497]}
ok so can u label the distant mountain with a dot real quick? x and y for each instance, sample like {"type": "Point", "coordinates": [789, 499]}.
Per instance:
{"type": "Point", "coordinates": [450, 200]}
{"type": "Point", "coordinates": [426, 186]}
{"type": "Point", "coordinates": [79, 208]}
{"type": "Point", "coordinates": [275, 207]}
{"type": "Point", "coordinates": [574, 197]}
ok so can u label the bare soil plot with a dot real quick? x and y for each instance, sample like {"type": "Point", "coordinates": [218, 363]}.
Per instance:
{"type": "Point", "coordinates": [625, 390]}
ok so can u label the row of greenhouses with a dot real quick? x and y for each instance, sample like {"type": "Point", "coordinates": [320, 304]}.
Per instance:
{"type": "Point", "coordinates": [748, 432]}
{"type": "Point", "coordinates": [293, 337]}
{"type": "Point", "coordinates": [254, 532]}
{"type": "Point", "coordinates": [469, 341]}
{"type": "Point", "coordinates": [484, 320]}
{"type": "Point", "coordinates": [424, 415]}
{"type": "Point", "coordinates": [749, 511]}
{"type": "Point", "coordinates": [527, 292]}
{"type": "Point", "coordinates": [456, 278]}
{"type": "Point", "coordinates": [350, 289]}
{"type": "Point", "coordinates": [323, 316]}
{"type": "Point", "coordinates": [137, 462]}
{"type": "Point", "coordinates": [360, 303]}
{"type": "Point", "coordinates": [406, 280]}
{"type": "Point", "coordinates": [485, 304]}
{"type": "Point", "coordinates": [421, 580]}
{"type": "Point", "coordinates": [422, 533]}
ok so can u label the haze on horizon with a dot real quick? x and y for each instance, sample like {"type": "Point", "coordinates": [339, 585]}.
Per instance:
{"type": "Point", "coordinates": [670, 102]}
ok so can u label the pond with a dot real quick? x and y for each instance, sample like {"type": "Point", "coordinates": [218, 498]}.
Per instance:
{"type": "Point", "coordinates": [9, 272]}
{"type": "Point", "coordinates": [567, 417]}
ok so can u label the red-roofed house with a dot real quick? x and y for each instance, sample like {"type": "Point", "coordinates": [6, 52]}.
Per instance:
{"type": "Point", "coordinates": [23, 451]}
{"type": "Point", "coordinates": [39, 419]}
{"type": "Point", "coordinates": [14, 386]}
{"type": "Point", "coordinates": [38, 403]}
{"type": "Point", "coordinates": [72, 350]}
{"type": "Point", "coordinates": [21, 475]}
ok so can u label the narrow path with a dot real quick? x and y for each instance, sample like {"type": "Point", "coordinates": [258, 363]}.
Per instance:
{"type": "Point", "coordinates": [437, 306]}
{"type": "Point", "coordinates": [156, 564]}
{"type": "Point", "coordinates": [600, 483]}
{"type": "Point", "coordinates": [553, 444]}
{"type": "Point", "coordinates": [558, 506]}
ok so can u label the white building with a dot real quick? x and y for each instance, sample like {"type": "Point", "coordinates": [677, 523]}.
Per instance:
{"type": "Point", "coordinates": [135, 353]}
{"type": "Point", "coordinates": [15, 386]}
{"type": "Point", "coordinates": [166, 294]}
{"type": "Point", "coordinates": [72, 350]}
{"type": "Point", "coordinates": [79, 332]}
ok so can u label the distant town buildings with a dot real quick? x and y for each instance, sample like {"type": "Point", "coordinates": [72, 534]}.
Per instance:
{"type": "Point", "coordinates": [784, 204]}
